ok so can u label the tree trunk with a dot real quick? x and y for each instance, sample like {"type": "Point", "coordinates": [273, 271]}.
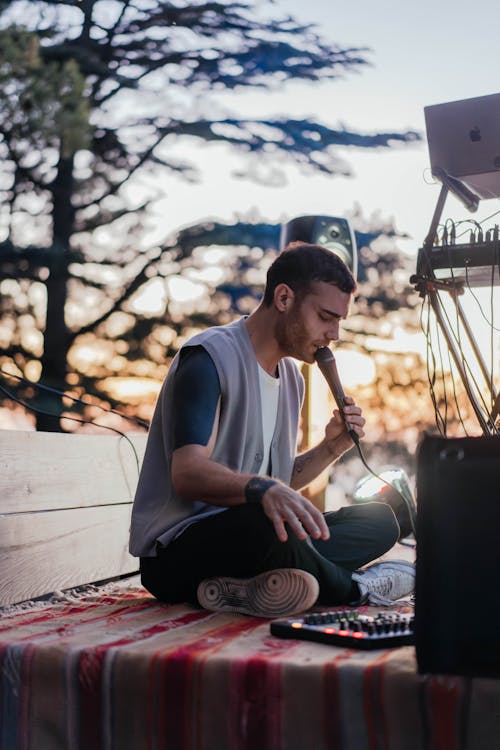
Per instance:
{"type": "Point", "coordinates": [55, 351]}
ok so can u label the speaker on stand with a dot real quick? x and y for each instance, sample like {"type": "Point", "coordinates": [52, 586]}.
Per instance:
{"type": "Point", "coordinates": [331, 232]}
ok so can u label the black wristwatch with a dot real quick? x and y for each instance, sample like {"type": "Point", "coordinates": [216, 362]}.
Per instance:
{"type": "Point", "coordinates": [256, 487]}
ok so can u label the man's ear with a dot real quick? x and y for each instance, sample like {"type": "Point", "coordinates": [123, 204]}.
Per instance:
{"type": "Point", "coordinates": [284, 297]}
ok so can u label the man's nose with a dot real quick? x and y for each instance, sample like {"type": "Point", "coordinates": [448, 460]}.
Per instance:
{"type": "Point", "coordinates": [333, 332]}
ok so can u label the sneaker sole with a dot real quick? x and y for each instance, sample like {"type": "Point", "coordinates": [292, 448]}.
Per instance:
{"type": "Point", "coordinates": [275, 593]}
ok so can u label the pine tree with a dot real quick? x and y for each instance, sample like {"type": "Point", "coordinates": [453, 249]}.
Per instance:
{"type": "Point", "coordinates": [93, 98]}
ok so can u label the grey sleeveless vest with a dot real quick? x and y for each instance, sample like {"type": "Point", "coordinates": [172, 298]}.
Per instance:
{"type": "Point", "coordinates": [158, 514]}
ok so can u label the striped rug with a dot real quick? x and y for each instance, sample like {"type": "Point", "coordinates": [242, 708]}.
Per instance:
{"type": "Point", "coordinates": [114, 669]}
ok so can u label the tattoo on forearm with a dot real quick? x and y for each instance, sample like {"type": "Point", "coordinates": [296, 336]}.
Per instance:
{"type": "Point", "coordinates": [300, 463]}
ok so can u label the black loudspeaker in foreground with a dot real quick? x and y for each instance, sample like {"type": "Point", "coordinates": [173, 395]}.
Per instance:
{"type": "Point", "coordinates": [457, 604]}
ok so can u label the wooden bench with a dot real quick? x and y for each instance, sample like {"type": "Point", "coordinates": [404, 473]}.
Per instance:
{"type": "Point", "coordinates": [65, 503]}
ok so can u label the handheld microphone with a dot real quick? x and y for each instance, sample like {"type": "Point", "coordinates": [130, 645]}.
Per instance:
{"type": "Point", "coordinates": [326, 363]}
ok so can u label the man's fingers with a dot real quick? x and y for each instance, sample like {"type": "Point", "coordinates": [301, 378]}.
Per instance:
{"type": "Point", "coordinates": [315, 522]}
{"type": "Point", "coordinates": [305, 520]}
{"type": "Point", "coordinates": [316, 530]}
{"type": "Point", "coordinates": [280, 530]}
{"type": "Point", "coordinates": [302, 517]}
{"type": "Point", "coordinates": [297, 526]}
{"type": "Point", "coordinates": [278, 519]}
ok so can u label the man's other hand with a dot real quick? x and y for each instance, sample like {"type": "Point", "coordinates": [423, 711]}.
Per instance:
{"type": "Point", "coordinates": [282, 505]}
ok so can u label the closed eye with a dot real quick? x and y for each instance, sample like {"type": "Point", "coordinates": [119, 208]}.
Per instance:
{"type": "Point", "coordinates": [328, 317]}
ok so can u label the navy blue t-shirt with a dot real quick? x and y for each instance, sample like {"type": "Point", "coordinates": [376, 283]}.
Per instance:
{"type": "Point", "coordinates": [196, 392]}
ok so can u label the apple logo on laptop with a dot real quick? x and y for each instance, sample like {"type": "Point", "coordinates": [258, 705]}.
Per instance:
{"type": "Point", "coordinates": [475, 134]}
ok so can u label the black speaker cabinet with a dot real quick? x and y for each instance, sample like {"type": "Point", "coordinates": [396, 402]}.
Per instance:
{"type": "Point", "coordinates": [331, 232]}
{"type": "Point", "coordinates": [457, 599]}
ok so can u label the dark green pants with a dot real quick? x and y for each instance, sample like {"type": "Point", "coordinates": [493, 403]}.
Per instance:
{"type": "Point", "coordinates": [241, 542]}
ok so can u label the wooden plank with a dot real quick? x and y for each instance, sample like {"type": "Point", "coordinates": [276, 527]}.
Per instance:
{"type": "Point", "coordinates": [45, 552]}
{"type": "Point", "coordinates": [42, 470]}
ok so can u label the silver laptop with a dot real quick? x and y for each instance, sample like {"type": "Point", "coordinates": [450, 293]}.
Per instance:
{"type": "Point", "coordinates": [464, 140]}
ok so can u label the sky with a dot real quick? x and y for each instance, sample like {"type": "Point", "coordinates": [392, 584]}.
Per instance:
{"type": "Point", "coordinates": [421, 53]}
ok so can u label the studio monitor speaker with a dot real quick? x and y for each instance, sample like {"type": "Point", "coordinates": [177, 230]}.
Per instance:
{"type": "Point", "coordinates": [457, 604]}
{"type": "Point", "coordinates": [329, 231]}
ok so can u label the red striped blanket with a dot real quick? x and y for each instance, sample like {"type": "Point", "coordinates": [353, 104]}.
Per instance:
{"type": "Point", "coordinates": [120, 671]}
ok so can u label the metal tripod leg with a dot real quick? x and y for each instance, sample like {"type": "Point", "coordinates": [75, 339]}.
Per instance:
{"type": "Point", "coordinates": [487, 423]}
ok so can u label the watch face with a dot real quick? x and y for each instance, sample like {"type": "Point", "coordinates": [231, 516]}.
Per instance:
{"type": "Point", "coordinates": [256, 488]}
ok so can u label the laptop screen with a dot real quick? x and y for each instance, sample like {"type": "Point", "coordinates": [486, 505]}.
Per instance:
{"type": "Point", "coordinates": [464, 139]}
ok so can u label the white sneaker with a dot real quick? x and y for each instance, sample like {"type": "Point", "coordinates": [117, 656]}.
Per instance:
{"type": "Point", "coordinates": [275, 593]}
{"type": "Point", "coordinates": [385, 582]}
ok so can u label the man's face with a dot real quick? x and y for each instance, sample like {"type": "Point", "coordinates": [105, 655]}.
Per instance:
{"type": "Point", "coordinates": [313, 321]}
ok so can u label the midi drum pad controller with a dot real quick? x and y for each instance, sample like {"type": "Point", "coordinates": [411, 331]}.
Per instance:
{"type": "Point", "coordinates": [349, 628]}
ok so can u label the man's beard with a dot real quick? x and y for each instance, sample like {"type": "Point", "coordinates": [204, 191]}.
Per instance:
{"type": "Point", "coordinates": [292, 337]}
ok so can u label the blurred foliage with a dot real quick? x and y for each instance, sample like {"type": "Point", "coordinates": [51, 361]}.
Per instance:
{"type": "Point", "coordinates": [225, 280]}
{"type": "Point", "coordinates": [94, 98]}
{"type": "Point", "coordinates": [42, 103]}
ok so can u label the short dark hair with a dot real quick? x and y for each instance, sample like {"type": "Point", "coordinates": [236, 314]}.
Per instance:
{"type": "Point", "coordinates": [300, 264]}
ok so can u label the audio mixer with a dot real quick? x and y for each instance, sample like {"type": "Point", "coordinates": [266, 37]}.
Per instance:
{"type": "Point", "coordinates": [349, 628]}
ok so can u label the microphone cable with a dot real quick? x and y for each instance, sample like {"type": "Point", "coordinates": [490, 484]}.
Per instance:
{"type": "Point", "coordinates": [48, 388]}
{"type": "Point", "coordinates": [45, 412]}
{"type": "Point", "coordinates": [325, 360]}
{"type": "Point", "coordinates": [407, 501]}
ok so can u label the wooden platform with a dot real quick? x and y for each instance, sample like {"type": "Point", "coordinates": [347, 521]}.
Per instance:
{"type": "Point", "coordinates": [110, 668]}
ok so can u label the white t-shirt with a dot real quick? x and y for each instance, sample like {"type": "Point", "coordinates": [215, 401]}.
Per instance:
{"type": "Point", "coordinates": [269, 394]}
